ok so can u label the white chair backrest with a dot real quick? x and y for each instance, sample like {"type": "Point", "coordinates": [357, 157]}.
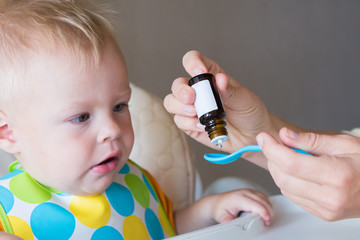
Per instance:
{"type": "Point", "coordinates": [161, 148]}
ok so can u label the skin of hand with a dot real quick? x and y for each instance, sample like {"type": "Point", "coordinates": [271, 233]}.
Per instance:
{"type": "Point", "coordinates": [8, 236]}
{"type": "Point", "coordinates": [246, 114]}
{"type": "Point", "coordinates": [326, 184]}
{"type": "Point", "coordinates": [222, 207]}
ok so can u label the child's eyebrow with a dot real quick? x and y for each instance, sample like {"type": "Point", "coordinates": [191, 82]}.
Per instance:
{"type": "Point", "coordinates": [126, 93]}
{"type": "Point", "coordinates": [73, 107]}
{"type": "Point", "coordinates": [77, 104]}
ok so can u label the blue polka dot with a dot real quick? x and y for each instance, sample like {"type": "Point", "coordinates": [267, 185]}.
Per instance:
{"type": "Point", "coordinates": [125, 169]}
{"type": "Point", "coordinates": [11, 174]}
{"type": "Point", "coordinates": [149, 187]}
{"type": "Point", "coordinates": [106, 232]}
{"type": "Point", "coordinates": [121, 199]}
{"type": "Point", "coordinates": [6, 199]}
{"type": "Point", "coordinates": [153, 225]}
{"type": "Point", "coordinates": [50, 221]}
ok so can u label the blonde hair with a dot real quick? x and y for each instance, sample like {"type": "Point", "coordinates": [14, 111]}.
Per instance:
{"type": "Point", "coordinates": [28, 26]}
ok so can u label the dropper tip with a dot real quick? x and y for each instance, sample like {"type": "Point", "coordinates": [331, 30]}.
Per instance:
{"type": "Point", "coordinates": [219, 140]}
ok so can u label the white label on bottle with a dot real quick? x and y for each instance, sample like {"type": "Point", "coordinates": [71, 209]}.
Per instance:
{"type": "Point", "coordinates": [204, 99]}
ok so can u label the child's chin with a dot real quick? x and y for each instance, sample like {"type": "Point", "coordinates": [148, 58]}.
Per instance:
{"type": "Point", "coordinates": [93, 185]}
{"type": "Point", "coordinates": [90, 193]}
{"type": "Point", "coordinates": [95, 190]}
{"type": "Point", "coordinates": [101, 189]}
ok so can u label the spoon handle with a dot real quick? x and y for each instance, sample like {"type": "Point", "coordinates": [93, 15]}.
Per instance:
{"type": "Point", "coordinates": [249, 148]}
{"type": "Point", "coordinates": [219, 158]}
{"type": "Point", "coordinates": [237, 154]}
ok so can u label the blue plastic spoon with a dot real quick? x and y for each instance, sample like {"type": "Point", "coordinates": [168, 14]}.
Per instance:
{"type": "Point", "coordinates": [219, 158]}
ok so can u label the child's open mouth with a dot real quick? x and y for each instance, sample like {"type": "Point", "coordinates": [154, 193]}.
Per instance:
{"type": "Point", "coordinates": [107, 165]}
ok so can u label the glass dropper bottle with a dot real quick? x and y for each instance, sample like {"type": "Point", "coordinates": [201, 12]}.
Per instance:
{"type": "Point", "coordinates": [209, 107]}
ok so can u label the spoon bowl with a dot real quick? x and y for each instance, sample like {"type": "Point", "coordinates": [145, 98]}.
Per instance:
{"type": "Point", "coordinates": [219, 158]}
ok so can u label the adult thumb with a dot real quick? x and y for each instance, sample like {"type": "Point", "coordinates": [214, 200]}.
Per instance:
{"type": "Point", "coordinates": [195, 63]}
{"type": "Point", "coordinates": [316, 143]}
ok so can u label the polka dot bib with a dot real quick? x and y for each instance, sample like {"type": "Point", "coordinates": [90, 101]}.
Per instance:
{"type": "Point", "coordinates": [128, 209]}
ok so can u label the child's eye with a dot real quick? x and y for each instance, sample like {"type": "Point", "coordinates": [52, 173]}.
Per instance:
{"type": "Point", "coordinates": [81, 118]}
{"type": "Point", "coordinates": [119, 107]}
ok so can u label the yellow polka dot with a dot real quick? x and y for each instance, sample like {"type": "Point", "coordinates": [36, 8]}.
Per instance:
{"type": "Point", "coordinates": [21, 228]}
{"type": "Point", "coordinates": [134, 229]}
{"type": "Point", "coordinates": [93, 212]}
{"type": "Point", "coordinates": [165, 223]}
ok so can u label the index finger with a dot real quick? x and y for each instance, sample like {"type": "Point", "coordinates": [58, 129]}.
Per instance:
{"type": "Point", "coordinates": [310, 168]}
{"type": "Point", "coordinates": [195, 63]}
{"type": "Point", "coordinates": [182, 91]}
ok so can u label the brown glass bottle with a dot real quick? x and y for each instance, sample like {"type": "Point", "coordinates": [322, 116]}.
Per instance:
{"type": "Point", "coordinates": [209, 107]}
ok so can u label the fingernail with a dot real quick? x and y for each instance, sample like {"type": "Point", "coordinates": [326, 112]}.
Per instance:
{"type": "Point", "coordinates": [197, 71]}
{"type": "Point", "coordinates": [183, 94]}
{"type": "Point", "coordinates": [189, 108]}
{"type": "Point", "coordinates": [260, 140]}
{"type": "Point", "coordinates": [199, 125]}
{"type": "Point", "coordinates": [292, 134]}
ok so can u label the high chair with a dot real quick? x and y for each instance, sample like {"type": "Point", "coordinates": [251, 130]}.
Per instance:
{"type": "Point", "coordinates": [162, 149]}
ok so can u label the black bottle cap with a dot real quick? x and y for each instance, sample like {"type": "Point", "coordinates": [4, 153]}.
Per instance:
{"type": "Point", "coordinates": [196, 78]}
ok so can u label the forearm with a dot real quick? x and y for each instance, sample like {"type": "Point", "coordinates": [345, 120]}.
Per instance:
{"type": "Point", "coordinates": [223, 207]}
{"type": "Point", "coordinates": [196, 216]}
{"type": "Point", "coordinates": [279, 123]}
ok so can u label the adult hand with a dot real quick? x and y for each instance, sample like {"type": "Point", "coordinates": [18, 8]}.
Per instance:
{"type": "Point", "coordinates": [246, 115]}
{"type": "Point", "coordinates": [326, 184]}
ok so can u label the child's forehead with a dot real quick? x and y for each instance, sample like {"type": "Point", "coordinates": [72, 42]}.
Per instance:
{"type": "Point", "coordinates": [60, 67]}
{"type": "Point", "coordinates": [51, 45]}
{"type": "Point", "coordinates": [61, 53]}
{"type": "Point", "coordinates": [73, 54]}
{"type": "Point", "coordinates": [58, 87]}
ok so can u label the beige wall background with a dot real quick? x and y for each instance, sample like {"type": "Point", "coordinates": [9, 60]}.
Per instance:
{"type": "Point", "coordinates": [301, 57]}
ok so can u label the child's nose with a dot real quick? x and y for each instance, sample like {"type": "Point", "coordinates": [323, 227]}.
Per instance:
{"type": "Point", "coordinates": [109, 130]}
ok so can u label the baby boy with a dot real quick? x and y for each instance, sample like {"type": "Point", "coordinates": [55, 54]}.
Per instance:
{"type": "Point", "coordinates": [64, 94]}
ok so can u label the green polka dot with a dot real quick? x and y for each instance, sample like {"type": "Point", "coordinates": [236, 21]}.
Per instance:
{"type": "Point", "coordinates": [138, 189]}
{"type": "Point", "coordinates": [28, 190]}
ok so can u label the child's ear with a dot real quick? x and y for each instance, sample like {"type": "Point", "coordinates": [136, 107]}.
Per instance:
{"type": "Point", "coordinates": [7, 141]}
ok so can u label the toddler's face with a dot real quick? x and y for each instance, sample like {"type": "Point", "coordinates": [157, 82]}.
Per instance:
{"type": "Point", "coordinates": [73, 128]}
